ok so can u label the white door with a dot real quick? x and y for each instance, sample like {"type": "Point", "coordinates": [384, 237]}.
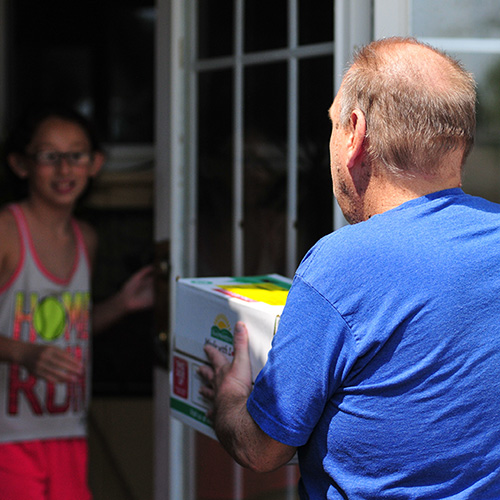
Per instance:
{"type": "Point", "coordinates": [242, 174]}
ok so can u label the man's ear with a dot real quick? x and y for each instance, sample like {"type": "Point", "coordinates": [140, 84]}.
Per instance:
{"type": "Point", "coordinates": [97, 163]}
{"type": "Point", "coordinates": [357, 134]}
{"type": "Point", "coordinates": [17, 164]}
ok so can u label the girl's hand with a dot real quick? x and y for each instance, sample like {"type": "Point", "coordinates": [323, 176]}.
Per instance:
{"type": "Point", "coordinates": [138, 291]}
{"type": "Point", "coordinates": [50, 362]}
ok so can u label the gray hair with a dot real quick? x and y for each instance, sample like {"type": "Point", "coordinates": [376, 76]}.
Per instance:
{"type": "Point", "coordinates": [418, 106]}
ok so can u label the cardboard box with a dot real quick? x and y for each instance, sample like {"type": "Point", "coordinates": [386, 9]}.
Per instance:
{"type": "Point", "coordinates": [206, 311]}
{"type": "Point", "coordinates": [186, 403]}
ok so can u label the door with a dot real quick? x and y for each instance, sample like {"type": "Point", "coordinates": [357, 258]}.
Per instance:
{"type": "Point", "coordinates": [242, 175]}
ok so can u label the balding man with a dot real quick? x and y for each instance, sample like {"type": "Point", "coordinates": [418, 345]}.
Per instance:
{"type": "Point", "coordinates": [384, 374]}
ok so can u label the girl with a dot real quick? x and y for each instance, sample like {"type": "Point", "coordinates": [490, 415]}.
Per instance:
{"type": "Point", "coordinates": [46, 258]}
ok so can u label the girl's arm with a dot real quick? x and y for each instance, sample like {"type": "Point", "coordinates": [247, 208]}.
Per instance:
{"type": "Point", "coordinates": [45, 361]}
{"type": "Point", "coordinates": [135, 295]}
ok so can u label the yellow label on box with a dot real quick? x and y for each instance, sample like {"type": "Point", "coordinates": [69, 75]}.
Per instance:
{"type": "Point", "coordinates": [268, 293]}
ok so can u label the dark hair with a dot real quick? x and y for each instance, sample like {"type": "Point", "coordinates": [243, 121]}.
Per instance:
{"type": "Point", "coordinates": [23, 132]}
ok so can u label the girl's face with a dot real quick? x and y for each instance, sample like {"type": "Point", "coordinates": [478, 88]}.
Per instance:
{"type": "Point", "coordinates": [59, 162]}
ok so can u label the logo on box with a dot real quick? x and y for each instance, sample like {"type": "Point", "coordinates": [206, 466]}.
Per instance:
{"type": "Point", "coordinates": [181, 377]}
{"type": "Point", "coordinates": [221, 329]}
{"type": "Point", "coordinates": [220, 335]}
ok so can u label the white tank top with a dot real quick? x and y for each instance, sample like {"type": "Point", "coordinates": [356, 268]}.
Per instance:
{"type": "Point", "coordinates": [37, 307]}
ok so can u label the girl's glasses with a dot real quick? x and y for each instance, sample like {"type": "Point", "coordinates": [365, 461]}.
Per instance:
{"type": "Point", "coordinates": [54, 158]}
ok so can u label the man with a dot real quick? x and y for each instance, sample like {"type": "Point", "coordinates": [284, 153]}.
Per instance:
{"type": "Point", "coordinates": [384, 374]}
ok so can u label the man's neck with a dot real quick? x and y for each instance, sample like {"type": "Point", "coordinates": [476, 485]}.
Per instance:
{"type": "Point", "coordinates": [386, 193]}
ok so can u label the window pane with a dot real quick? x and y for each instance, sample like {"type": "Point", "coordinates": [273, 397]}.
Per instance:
{"type": "Point", "coordinates": [215, 198]}
{"type": "Point", "coordinates": [265, 25]}
{"type": "Point", "coordinates": [265, 168]}
{"type": "Point", "coordinates": [315, 21]}
{"type": "Point", "coordinates": [215, 42]}
{"type": "Point", "coordinates": [315, 186]}
{"type": "Point", "coordinates": [482, 172]}
{"type": "Point", "coordinates": [461, 19]}
{"type": "Point", "coordinates": [456, 18]}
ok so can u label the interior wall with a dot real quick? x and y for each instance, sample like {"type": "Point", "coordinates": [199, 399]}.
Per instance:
{"type": "Point", "coordinates": [121, 448]}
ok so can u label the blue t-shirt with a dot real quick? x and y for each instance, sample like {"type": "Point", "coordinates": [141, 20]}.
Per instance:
{"type": "Point", "coordinates": [385, 370]}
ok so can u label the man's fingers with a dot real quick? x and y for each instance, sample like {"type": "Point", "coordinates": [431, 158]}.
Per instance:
{"type": "Point", "coordinates": [206, 372]}
{"type": "Point", "coordinates": [241, 352]}
{"type": "Point", "coordinates": [216, 358]}
{"type": "Point", "coordinates": [207, 392]}
{"type": "Point", "coordinates": [223, 376]}
{"type": "Point", "coordinates": [240, 339]}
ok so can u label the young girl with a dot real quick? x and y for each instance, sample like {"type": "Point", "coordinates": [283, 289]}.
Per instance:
{"type": "Point", "coordinates": [46, 313]}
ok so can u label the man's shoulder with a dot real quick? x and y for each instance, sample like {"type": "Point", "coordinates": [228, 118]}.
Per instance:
{"type": "Point", "coordinates": [346, 239]}
{"type": "Point", "coordinates": [338, 253]}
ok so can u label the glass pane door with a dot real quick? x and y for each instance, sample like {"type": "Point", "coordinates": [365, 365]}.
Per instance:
{"type": "Point", "coordinates": [263, 84]}
{"type": "Point", "coordinates": [470, 31]}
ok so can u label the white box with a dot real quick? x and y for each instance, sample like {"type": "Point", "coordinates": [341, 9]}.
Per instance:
{"type": "Point", "coordinates": [186, 403]}
{"type": "Point", "coordinates": [207, 310]}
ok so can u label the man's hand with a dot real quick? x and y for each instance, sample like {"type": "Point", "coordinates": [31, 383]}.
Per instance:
{"type": "Point", "coordinates": [224, 379]}
{"type": "Point", "coordinates": [228, 386]}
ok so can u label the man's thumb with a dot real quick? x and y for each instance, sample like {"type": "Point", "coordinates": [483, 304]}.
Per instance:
{"type": "Point", "coordinates": [241, 349]}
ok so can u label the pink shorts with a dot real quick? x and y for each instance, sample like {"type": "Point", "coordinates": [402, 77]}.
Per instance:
{"type": "Point", "coordinates": [54, 469]}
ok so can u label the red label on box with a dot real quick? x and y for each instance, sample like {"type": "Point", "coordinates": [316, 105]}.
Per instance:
{"type": "Point", "coordinates": [181, 374]}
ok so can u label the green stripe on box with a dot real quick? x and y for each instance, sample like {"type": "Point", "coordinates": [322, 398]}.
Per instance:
{"type": "Point", "coordinates": [190, 411]}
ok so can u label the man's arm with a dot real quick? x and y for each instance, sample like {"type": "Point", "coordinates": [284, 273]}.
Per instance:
{"type": "Point", "coordinates": [228, 386]}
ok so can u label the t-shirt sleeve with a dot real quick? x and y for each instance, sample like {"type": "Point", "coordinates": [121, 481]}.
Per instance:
{"type": "Point", "coordinates": [311, 355]}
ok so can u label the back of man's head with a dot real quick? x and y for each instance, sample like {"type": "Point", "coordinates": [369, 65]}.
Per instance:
{"type": "Point", "coordinates": [419, 105]}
